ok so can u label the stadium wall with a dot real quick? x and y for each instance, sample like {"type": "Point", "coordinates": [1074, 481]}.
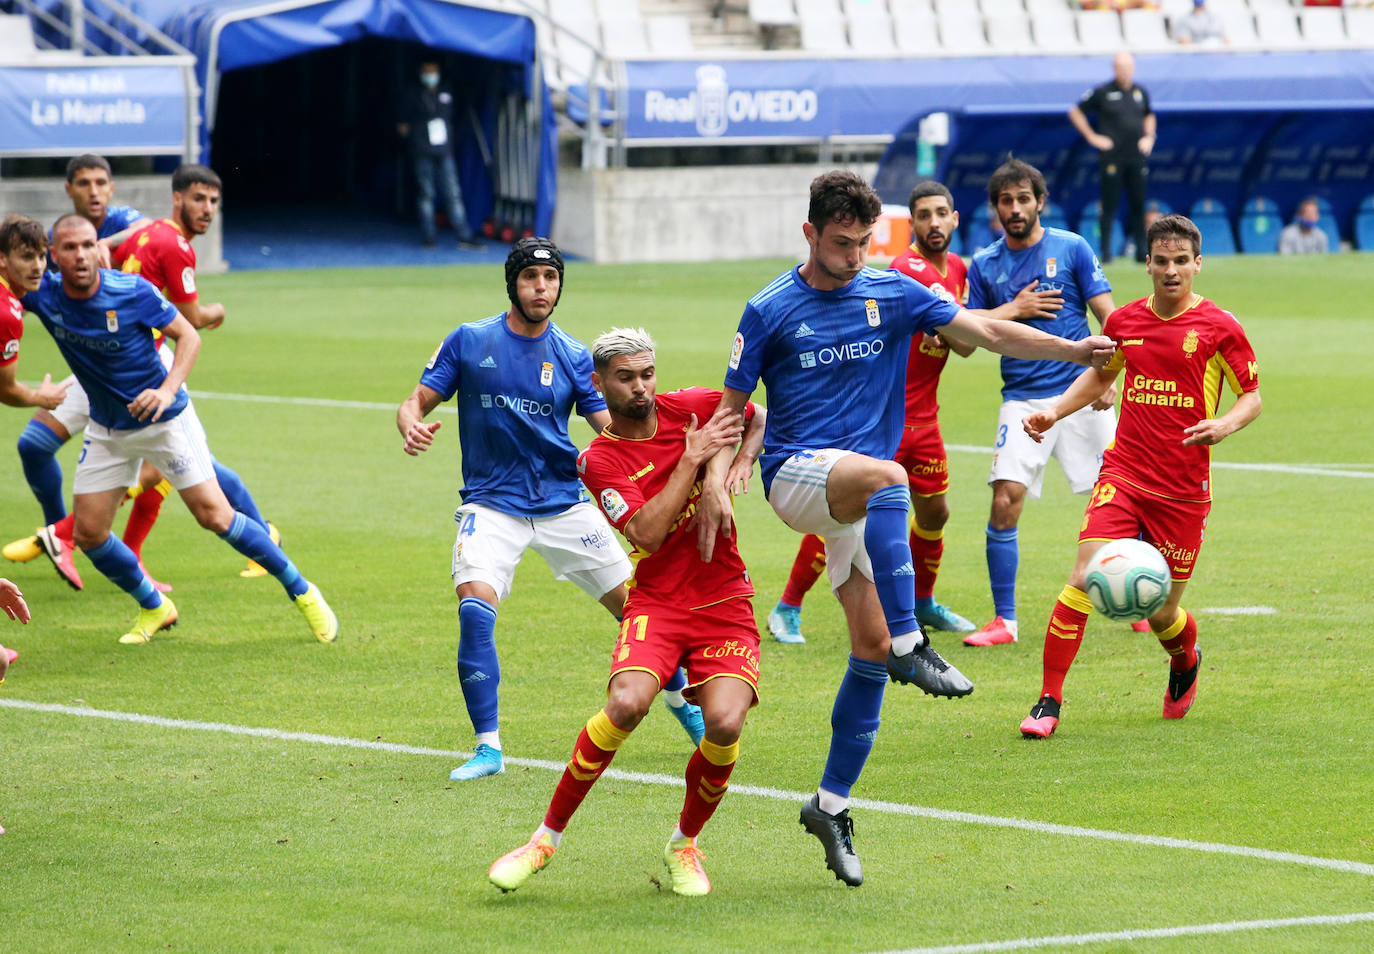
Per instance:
{"type": "Point", "coordinates": [712, 213]}
{"type": "Point", "coordinates": [46, 199]}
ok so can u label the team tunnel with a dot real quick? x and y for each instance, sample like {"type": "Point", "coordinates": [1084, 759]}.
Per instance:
{"type": "Point", "coordinates": [301, 104]}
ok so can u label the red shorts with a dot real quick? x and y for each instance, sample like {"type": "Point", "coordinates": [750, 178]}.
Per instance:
{"type": "Point", "coordinates": [717, 640]}
{"type": "Point", "coordinates": [922, 455]}
{"type": "Point", "coordinates": [1174, 527]}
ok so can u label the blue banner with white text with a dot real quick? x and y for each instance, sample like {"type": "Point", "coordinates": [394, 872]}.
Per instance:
{"type": "Point", "coordinates": [59, 110]}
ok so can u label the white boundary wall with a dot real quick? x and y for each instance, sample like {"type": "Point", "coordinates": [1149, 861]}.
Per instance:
{"type": "Point", "coordinates": [694, 214]}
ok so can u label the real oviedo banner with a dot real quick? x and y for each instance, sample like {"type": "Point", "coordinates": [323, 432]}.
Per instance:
{"type": "Point", "coordinates": [733, 99]}
{"type": "Point", "coordinates": [69, 109]}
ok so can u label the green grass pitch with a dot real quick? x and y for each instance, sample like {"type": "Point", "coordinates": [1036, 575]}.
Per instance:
{"type": "Point", "coordinates": [133, 836]}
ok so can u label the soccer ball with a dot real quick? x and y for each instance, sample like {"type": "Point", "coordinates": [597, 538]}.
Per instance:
{"type": "Point", "coordinates": [1127, 580]}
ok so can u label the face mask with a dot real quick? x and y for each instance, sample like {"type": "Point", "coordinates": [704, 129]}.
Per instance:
{"type": "Point", "coordinates": [1308, 223]}
{"type": "Point", "coordinates": [430, 80]}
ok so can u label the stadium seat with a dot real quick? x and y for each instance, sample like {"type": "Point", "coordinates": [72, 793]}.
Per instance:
{"type": "Point", "coordinates": [1052, 30]}
{"type": "Point", "coordinates": [578, 17]}
{"type": "Point", "coordinates": [1259, 227]}
{"type": "Point", "coordinates": [1090, 227]}
{"type": "Point", "coordinates": [857, 9]}
{"type": "Point", "coordinates": [871, 32]}
{"type": "Point", "coordinates": [961, 30]}
{"type": "Point", "coordinates": [1001, 8]}
{"type": "Point", "coordinates": [1240, 28]}
{"type": "Point", "coordinates": [1364, 225]}
{"type": "Point", "coordinates": [669, 34]}
{"type": "Point", "coordinates": [823, 33]}
{"type": "Point", "coordinates": [1359, 26]}
{"type": "Point", "coordinates": [16, 37]}
{"type": "Point", "coordinates": [1209, 216]}
{"type": "Point", "coordinates": [1277, 29]}
{"type": "Point", "coordinates": [807, 9]}
{"type": "Point", "coordinates": [915, 31]}
{"type": "Point", "coordinates": [621, 38]}
{"type": "Point", "coordinates": [1008, 31]}
{"type": "Point", "coordinates": [1323, 26]}
{"type": "Point", "coordinates": [1144, 32]}
{"type": "Point", "coordinates": [1099, 29]}
{"type": "Point", "coordinates": [901, 8]}
{"type": "Point", "coordinates": [772, 13]}
{"type": "Point", "coordinates": [610, 11]}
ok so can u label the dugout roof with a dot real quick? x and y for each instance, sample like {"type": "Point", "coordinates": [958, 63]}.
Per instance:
{"type": "Point", "coordinates": [228, 35]}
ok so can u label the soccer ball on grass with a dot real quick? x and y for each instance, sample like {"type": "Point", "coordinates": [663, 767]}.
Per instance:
{"type": "Point", "coordinates": [1127, 580]}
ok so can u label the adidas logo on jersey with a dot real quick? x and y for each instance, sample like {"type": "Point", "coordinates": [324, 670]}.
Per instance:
{"type": "Point", "coordinates": [804, 331]}
{"type": "Point", "coordinates": [488, 362]}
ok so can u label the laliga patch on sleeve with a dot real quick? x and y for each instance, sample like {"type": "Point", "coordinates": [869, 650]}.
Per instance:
{"type": "Point", "coordinates": [614, 505]}
{"type": "Point", "coordinates": [11, 348]}
{"type": "Point", "coordinates": [736, 351]}
{"type": "Point", "coordinates": [429, 365]}
{"type": "Point", "coordinates": [188, 279]}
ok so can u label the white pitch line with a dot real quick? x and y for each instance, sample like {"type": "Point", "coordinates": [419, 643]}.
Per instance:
{"type": "Point", "coordinates": [757, 791]}
{"type": "Point", "coordinates": [1108, 937]}
{"type": "Point", "coordinates": [306, 401]}
{"type": "Point", "coordinates": [1239, 610]}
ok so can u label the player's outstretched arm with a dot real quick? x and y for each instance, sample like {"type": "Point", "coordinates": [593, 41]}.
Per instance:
{"type": "Point", "coordinates": [649, 527]}
{"type": "Point", "coordinates": [410, 419]}
{"type": "Point", "coordinates": [1030, 302]}
{"type": "Point", "coordinates": [751, 445]}
{"type": "Point", "coordinates": [17, 394]}
{"type": "Point", "coordinates": [714, 511]}
{"type": "Point", "coordinates": [1216, 430]}
{"type": "Point", "coordinates": [1022, 341]}
{"type": "Point", "coordinates": [208, 316]}
{"type": "Point", "coordinates": [1086, 389]}
{"type": "Point", "coordinates": [12, 602]}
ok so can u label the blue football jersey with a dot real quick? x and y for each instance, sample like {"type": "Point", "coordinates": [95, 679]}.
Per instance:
{"type": "Point", "coordinates": [834, 362]}
{"type": "Point", "coordinates": [107, 340]}
{"type": "Point", "coordinates": [117, 219]}
{"type": "Point", "coordinates": [515, 395]}
{"type": "Point", "coordinates": [1061, 260]}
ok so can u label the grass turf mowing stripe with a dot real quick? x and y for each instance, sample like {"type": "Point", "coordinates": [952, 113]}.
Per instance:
{"type": "Point", "coordinates": [1109, 937]}
{"type": "Point", "coordinates": [891, 808]}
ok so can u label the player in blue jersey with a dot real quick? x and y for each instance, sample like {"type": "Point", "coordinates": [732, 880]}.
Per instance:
{"type": "Point", "coordinates": [90, 186]}
{"type": "Point", "coordinates": [1060, 260]}
{"type": "Point", "coordinates": [518, 377]}
{"type": "Point", "coordinates": [830, 339]}
{"type": "Point", "coordinates": [103, 323]}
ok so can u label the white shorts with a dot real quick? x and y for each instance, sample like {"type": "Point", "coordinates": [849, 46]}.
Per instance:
{"type": "Point", "coordinates": [75, 409]}
{"type": "Point", "coordinates": [798, 497]}
{"type": "Point", "coordinates": [1077, 442]}
{"type": "Point", "coordinates": [578, 545]}
{"type": "Point", "coordinates": [110, 459]}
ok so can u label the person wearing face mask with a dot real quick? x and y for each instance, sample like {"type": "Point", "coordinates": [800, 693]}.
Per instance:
{"type": "Point", "coordinates": [427, 128]}
{"type": "Point", "coordinates": [1304, 236]}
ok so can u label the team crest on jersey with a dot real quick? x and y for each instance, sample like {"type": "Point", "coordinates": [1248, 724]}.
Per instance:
{"type": "Point", "coordinates": [1190, 342]}
{"type": "Point", "coordinates": [736, 351]}
{"type": "Point", "coordinates": [546, 373]}
{"type": "Point", "coordinates": [11, 348]}
{"type": "Point", "coordinates": [614, 504]}
{"type": "Point", "coordinates": [871, 313]}
{"type": "Point", "coordinates": [111, 322]}
{"type": "Point", "coordinates": [1051, 267]}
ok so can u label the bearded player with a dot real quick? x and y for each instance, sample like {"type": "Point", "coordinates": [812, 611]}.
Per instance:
{"type": "Point", "coordinates": [1176, 348]}
{"type": "Point", "coordinates": [645, 472]}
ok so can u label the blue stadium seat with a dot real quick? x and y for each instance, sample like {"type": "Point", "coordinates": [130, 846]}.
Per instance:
{"type": "Point", "coordinates": [1090, 228]}
{"type": "Point", "coordinates": [1053, 218]}
{"type": "Point", "coordinates": [1260, 225]}
{"type": "Point", "coordinates": [1364, 225]}
{"type": "Point", "coordinates": [1210, 217]}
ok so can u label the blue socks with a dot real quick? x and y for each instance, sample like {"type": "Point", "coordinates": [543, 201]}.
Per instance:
{"type": "Point", "coordinates": [251, 539]}
{"type": "Point", "coordinates": [238, 496]}
{"type": "Point", "coordinates": [120, 567]}
{"type": "Point", "coordinates": [677, 683]}
{"type": "Point", "coordinates": [479, 673]}
{"type": "Point", "coordinates": [889, 551]}
{"type": "Point", "coordinates": [1003, 557]}
{"type": "Point", "coordinates": [854, 724]}
{"type": "Point", "coordinates": [38, 447]}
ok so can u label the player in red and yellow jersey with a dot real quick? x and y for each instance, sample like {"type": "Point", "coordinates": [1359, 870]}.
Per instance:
{"type": "Point", "coordinates": [645, 472]}
{"type": "Point", "coordinates": [23, 255]}
{"type": "Point", "coordinates": [1176, 349]}
{"type": "Point", "coordinates": [922, 449]}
